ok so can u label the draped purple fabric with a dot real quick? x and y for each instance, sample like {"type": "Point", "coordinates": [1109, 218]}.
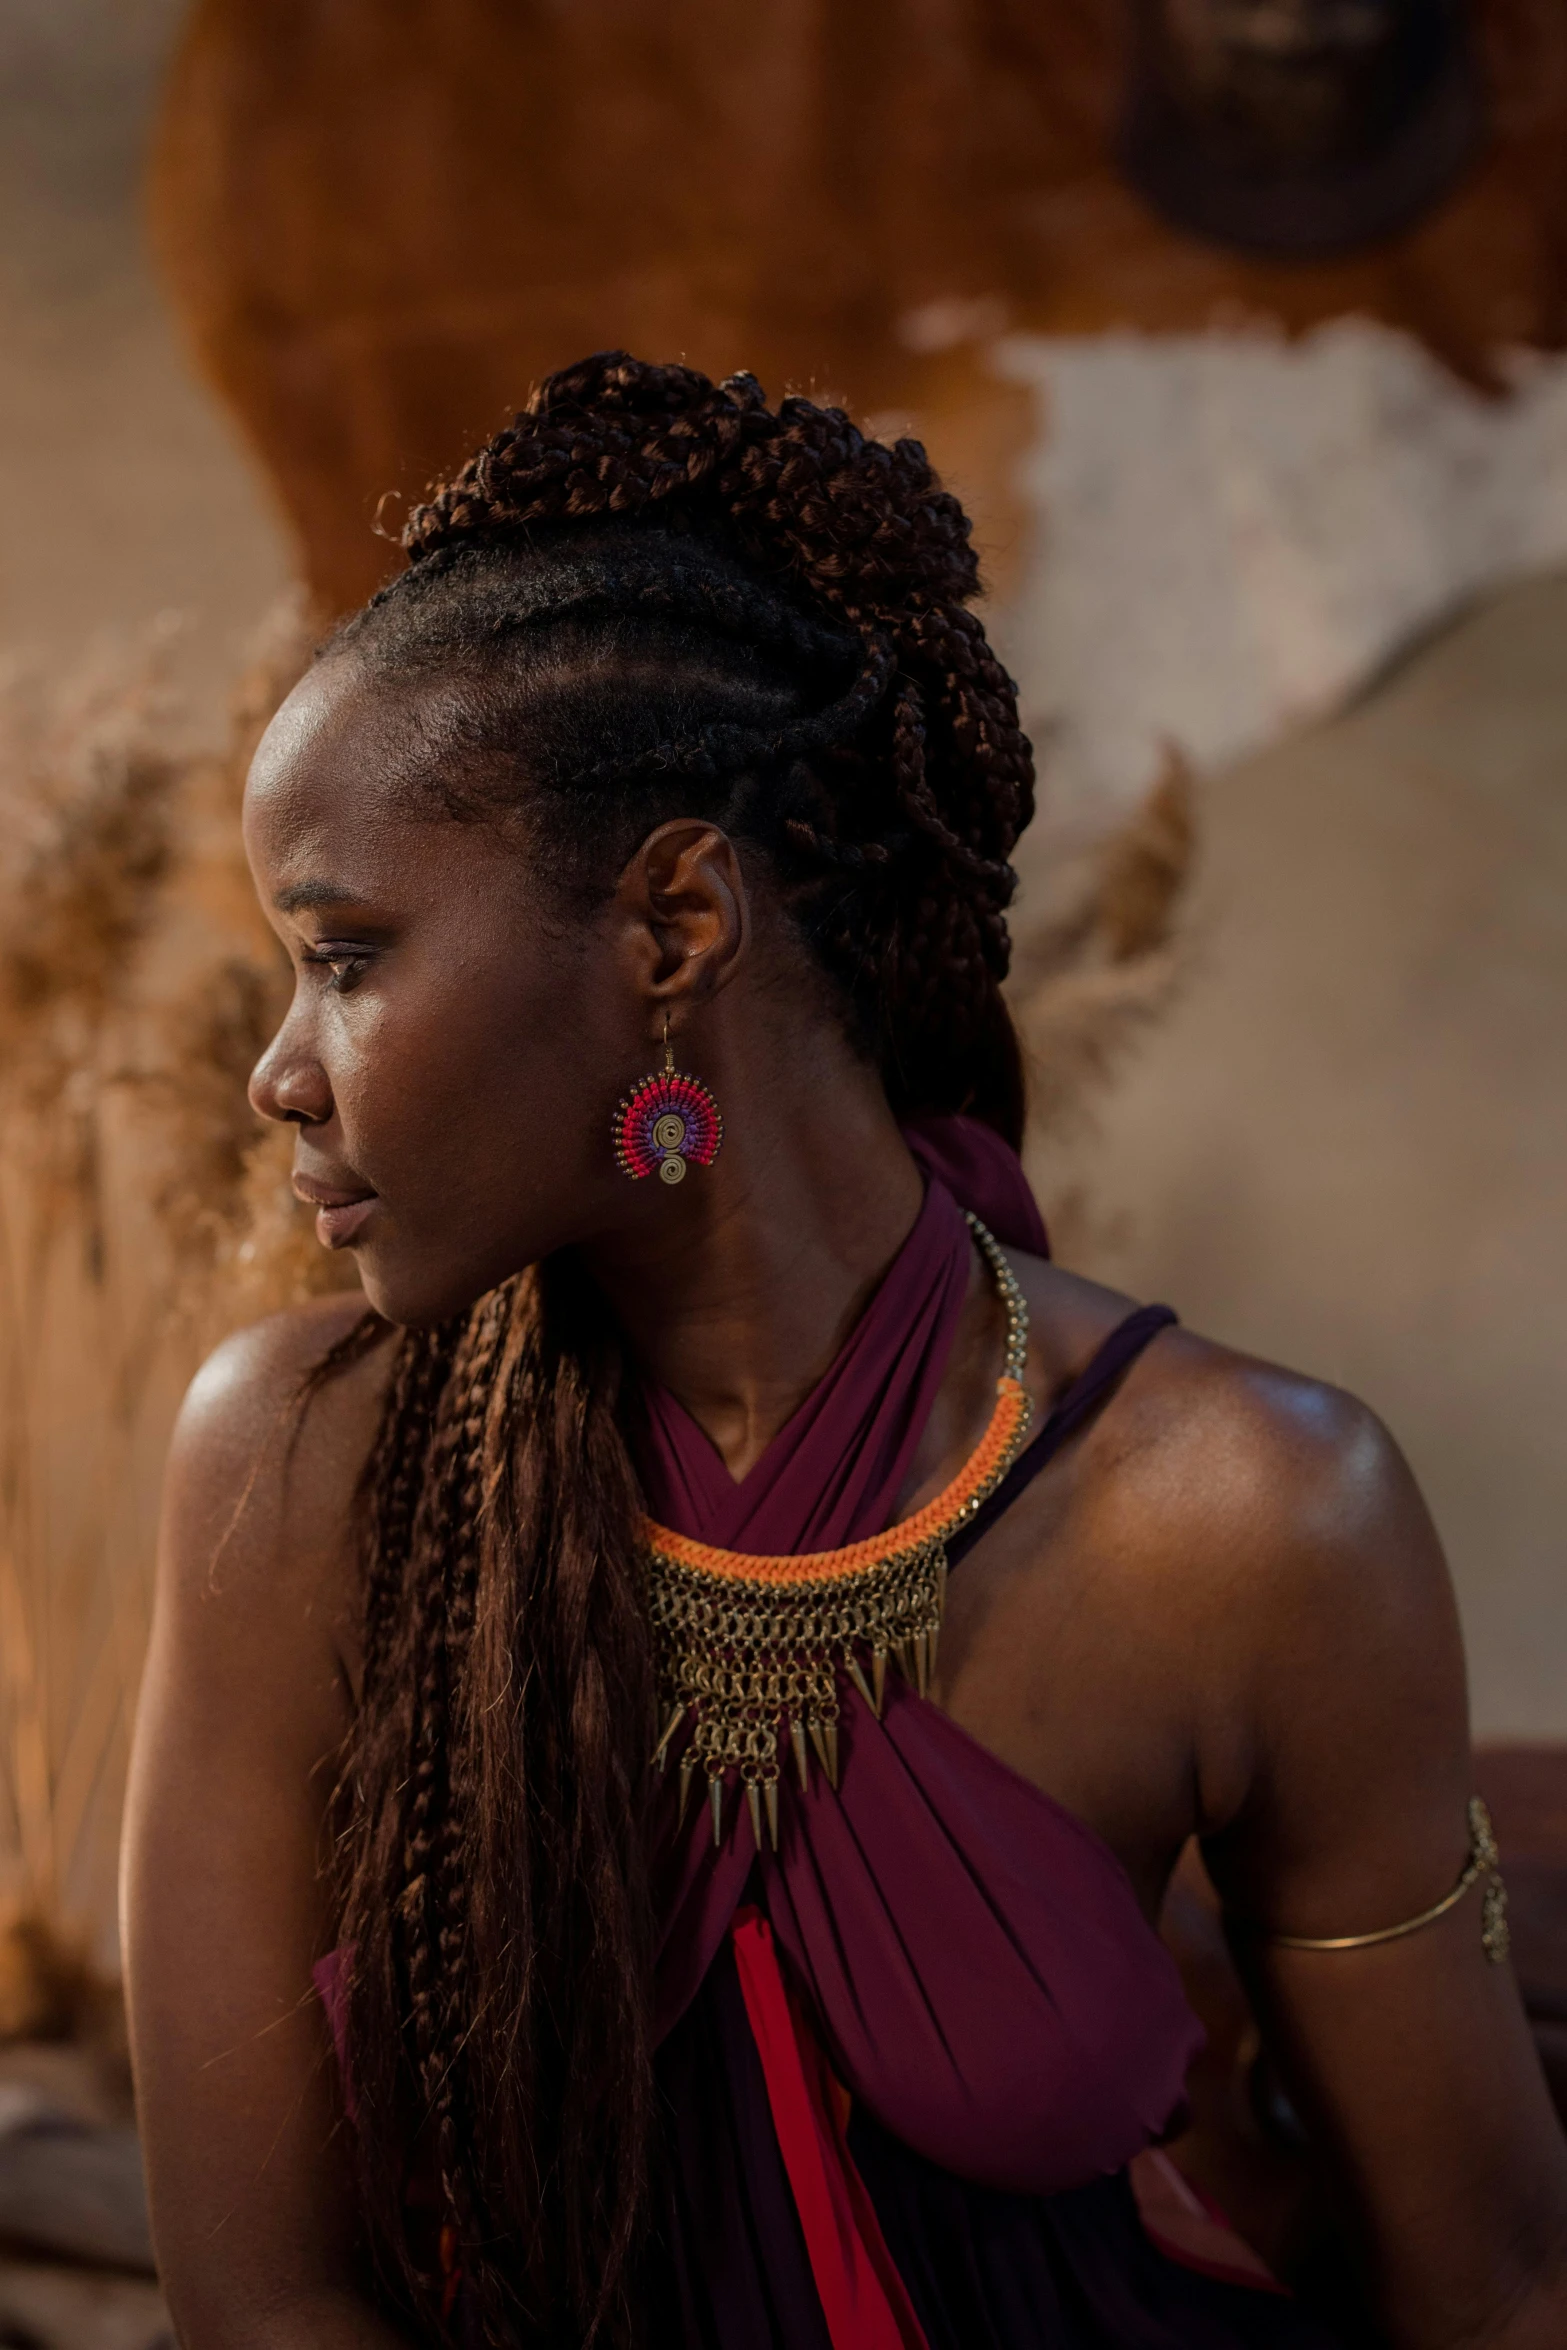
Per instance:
{"type": "Point", "coordinates": [983, 1173]}
{"type": "Point", "coordinates": [972, 1957]}
{"type": "Point", "coordinates": [808, 1479]}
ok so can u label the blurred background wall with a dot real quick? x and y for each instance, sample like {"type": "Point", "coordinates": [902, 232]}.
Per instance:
{"type": "Point", "coordinates": [123, 488]}
{"type": "Point", "coordinates": [1304, 517]}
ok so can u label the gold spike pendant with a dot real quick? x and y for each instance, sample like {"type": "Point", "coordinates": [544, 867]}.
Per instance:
{"type": "Point", "coordinates": [756, 1649]}
{"type": "Point", "coordinates": [802, 1763]}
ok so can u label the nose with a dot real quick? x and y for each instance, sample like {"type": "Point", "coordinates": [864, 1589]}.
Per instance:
{"type": "Point", "coordinates": [290, 1085]}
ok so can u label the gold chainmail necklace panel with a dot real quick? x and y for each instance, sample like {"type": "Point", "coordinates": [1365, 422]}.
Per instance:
{"type": "Point", "coordinates": [750, 1649]}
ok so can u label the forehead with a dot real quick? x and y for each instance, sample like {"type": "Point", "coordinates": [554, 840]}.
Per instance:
{"type": "Point", "coordinates": [340, 742]}
{"type": "Point", "coordinates": [343, 777]}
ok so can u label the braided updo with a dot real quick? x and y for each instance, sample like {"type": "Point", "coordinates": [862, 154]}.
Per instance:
{"type": "Point", "coordinates": [656, 597]}
{"type": "Point", "coordinates": [704, 606]}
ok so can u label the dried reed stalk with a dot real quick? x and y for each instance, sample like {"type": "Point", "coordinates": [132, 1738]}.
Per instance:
{"type": "Point", "coordinates": [141, 1209]}
{"type": "Point", "coordinates": [1086, 984]}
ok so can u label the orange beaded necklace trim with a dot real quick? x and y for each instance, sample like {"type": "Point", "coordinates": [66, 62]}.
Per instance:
{"type": "Point", "coordinates": [749, 1648]}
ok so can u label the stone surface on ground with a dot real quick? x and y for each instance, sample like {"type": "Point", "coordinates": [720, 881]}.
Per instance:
{"type": "Point", "coordinates": [51, 2307]}
{"type": "Point", "coordinates": [69, 2187]}
{"type": "Point", "coordinates": [75, 2252]}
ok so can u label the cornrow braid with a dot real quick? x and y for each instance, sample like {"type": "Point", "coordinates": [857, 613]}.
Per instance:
{"type": "Point", "coordinates": [628, 493]}
{"type": "Point", "coordinates": [676, 601]}
{"type": "Point", "coordinates": [721, 751]}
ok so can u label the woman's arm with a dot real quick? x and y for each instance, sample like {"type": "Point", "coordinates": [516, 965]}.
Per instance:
{"type": "Point", "coordinates": [1411, 2059]}
{"type": "Point", "coordinates": [244, 1706]}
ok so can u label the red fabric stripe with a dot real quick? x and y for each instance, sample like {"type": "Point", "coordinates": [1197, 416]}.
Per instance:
{"type": "Point", "coordinates": [862, 2295]}
{"type": "Point", "coordinates": [1189, 2228]}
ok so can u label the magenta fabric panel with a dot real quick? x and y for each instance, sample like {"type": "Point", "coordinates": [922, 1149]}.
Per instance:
{"type": "Point", "coordinates": [983, 1173]}
{"type": "Point", "coordinates": [975, 1960]}
{"type": "Point", "coordinates": [837, 1467]}
{"type": "Point", "coordinates": [975, 1957]}
{"type": "Point", "coordinates": [809, 1483]}
{"type": "Point", "coordinates": [990, 1989]}
{"type": "Point", "coordinates": [330, 1977]}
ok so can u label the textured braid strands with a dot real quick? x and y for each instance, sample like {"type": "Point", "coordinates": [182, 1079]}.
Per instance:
{"type": "Point", "coordinates": [393, 1731]}
{"type": "Point", "coordinates": [432, 1912]}
{"type": "Point", "coordinates": [394, 1476]}
{"type": "Point", "coordinates": [869, 533]}
{"type": "Point", "coordinates": [749, 1650]}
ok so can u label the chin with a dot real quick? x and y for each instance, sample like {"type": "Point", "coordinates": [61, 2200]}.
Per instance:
{"type": "Point", "coordinates": [415, 1296]}
{"type": "Point", "coordinates": [418, 1287]}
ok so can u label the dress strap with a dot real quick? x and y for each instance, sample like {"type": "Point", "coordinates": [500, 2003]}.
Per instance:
{"type": "Point", "coordinates": [1089, 1391]}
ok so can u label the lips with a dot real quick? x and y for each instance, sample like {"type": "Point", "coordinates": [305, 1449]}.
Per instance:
{"type": "Point", "coordinates": [342, 1209]}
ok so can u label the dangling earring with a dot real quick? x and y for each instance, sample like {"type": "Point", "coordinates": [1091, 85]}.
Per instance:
{"type": "Point", "coordinates": [666, 1120]}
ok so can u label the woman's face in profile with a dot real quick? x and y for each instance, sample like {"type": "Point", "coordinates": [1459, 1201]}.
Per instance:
{"type": "Point", "coordinates": [457, 1040]}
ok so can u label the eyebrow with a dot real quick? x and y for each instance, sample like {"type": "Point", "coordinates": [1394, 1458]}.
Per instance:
{"type": "Point", "coordinates": [314, 893]}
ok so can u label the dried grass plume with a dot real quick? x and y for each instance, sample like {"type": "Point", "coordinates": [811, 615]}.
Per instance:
{"type": "Point", "coordinates": [142, 1212]}
{"type": "Point", "coordinates": [1087, 984]}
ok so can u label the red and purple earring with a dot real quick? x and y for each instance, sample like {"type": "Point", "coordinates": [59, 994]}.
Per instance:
{"type": "Point", "coordinates": [665, 1122]}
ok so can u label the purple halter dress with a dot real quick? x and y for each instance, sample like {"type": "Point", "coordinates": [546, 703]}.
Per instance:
{"type": "Point", "coordinates": [906, 2060]}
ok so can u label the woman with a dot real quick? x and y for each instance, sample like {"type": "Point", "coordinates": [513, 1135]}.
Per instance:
{"type": "Point", "coordinates": [642, 853]}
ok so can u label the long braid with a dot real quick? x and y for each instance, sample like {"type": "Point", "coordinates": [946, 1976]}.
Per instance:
{"type": "Point", "coordinates": [440, 1957]}
{"type": "Point", "coordinates": [684, 603]}
{"type": "Point", "coordinates": [440, 1545]}
{"type": "Point", "coordinates": [394, 1479]}
{"type": "Point", "coordinates": [399, 1716]}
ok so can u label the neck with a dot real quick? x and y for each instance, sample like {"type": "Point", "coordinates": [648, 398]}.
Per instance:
{"type": "Point", "coordinates": [738, 1293]}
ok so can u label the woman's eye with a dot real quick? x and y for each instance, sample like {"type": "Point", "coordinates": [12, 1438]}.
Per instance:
{"type": "Point", "coordinates": [342, 966]}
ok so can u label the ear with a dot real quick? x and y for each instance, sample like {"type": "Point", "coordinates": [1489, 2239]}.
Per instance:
{"type": "Point", "coordinates": [685, 916]}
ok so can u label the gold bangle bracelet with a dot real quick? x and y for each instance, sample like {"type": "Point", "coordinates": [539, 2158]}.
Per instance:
{"type": "Point", "coordinates": [1482, 1862]}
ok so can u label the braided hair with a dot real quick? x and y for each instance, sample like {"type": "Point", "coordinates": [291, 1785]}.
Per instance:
{"type": "Point", "coordinates": [652, 596]}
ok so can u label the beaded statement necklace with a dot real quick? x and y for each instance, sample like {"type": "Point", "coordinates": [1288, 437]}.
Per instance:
{"type": "Point", "coordinates": [750, 1649]}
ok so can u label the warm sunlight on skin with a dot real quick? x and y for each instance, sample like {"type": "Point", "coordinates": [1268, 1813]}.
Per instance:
{"type": "Point", "coordinates": [456, 1048]}
{"type": "Point", "coordinates": [425, 1059]}
{"type": "Point", "coordinates": [1293, 1690]}
{"type": "Point", "coordinates": [1218, 1611]}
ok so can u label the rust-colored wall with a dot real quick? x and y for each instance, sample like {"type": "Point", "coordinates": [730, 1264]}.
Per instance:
{"type": "Point", "coordinates": [383, 222]}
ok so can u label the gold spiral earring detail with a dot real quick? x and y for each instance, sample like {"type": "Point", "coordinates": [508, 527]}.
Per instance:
{"type": "Point", "coordinates": [667, 1123]}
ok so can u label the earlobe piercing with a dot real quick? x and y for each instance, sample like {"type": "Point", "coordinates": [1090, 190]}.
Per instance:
{"type": "Point", "coordinates": [666, 1122]}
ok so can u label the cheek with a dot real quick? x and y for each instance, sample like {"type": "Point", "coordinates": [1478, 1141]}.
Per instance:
{"type": "Point", "coordinates": [480, 1100]}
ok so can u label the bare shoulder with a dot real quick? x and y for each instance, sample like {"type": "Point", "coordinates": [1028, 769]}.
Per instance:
{"type": "Point", "coordinates": [1219, 1450]}
{"type": "Point", "coordinates": [1266, 1528]}
{"type": "Point", "coordinates": [266, 1460]}
{"type": "Point", "coordinates": [1293, 1489]}
{"type": "Point", "coordinates": [256, 1370]}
